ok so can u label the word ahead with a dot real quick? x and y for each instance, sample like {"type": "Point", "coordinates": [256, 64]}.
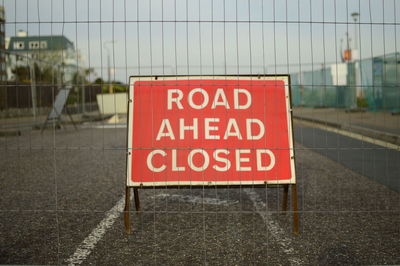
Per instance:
{"type": "Point", "coordinates": [209, 132]}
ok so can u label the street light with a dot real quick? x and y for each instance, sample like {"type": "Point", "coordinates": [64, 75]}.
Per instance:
{"type": "Point", "coordinates": [110, 90]}
{"type": "Point", "coordinates": [356, 57]}
{"type": "Point", "coordinates": [355, 16]}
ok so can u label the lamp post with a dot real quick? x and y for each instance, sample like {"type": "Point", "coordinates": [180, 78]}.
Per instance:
{"type": "Point", "coordinates": [356, 57]}
{"type": "Point", "coordinates": [33, 87]}
{"type": "Point", "coordinates": [110, 89]}
{"type": "Point", "coordinates": [355, 16]}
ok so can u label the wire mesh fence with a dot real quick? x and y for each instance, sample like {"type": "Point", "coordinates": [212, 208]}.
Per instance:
{"type": "Point", "coordinates": [377, 87]}
{"type": "Point", "coordinates": [64, 82]}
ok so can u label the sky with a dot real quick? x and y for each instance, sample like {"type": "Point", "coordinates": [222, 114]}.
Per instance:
{"type": "Point", "coordinates": [154, 37]}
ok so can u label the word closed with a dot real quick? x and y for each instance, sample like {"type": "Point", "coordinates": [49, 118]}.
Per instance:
{"type": "Point", "coordinates": [209, 131]}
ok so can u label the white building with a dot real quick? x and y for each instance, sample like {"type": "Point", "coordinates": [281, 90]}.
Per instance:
{"type": "Point", "coordinates": [54, 51]}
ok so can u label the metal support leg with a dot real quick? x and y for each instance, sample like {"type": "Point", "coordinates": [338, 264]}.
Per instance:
{"type": "Point", "coordinates": [285, 197]}
{"type": "Point", "coordinates": [44, 126]}
{"type": "Point", "coordinates": [72, 120]}
{"type": "Point", "coordinates": [295, 210]}
{"type": "Point", "coordinates": [126, 210]}
{"type": "Point", "coordinates": [137, 200]}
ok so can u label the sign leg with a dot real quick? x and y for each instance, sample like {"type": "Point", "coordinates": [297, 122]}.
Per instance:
{"type": "Point", "coordinates": [127, 219]}
{"type": "Point", "coordinates": [295, 210]}
{"type": "Point", "coordinates": [285, 197]}
{"type": "Point", "coordinates": [44, 126]}
{"type": "Point", "coordinates": [72, 120]}
{"type": "Point", "coordinates": [137, 200]}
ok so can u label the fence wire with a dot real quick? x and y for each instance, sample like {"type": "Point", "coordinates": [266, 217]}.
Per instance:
{"type": "Point", "coordinates": [63, 177]}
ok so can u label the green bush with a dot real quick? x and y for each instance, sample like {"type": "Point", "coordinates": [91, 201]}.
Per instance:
{"type": "Point", "coordinates": [362, 102]}
{"type": "Point", "coordinates": [115, 87]}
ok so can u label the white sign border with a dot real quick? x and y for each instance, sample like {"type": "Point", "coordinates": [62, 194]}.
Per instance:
{"type": "Point", "coordinates": [133, 79]}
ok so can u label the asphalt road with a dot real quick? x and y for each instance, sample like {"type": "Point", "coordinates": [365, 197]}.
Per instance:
{"type": "Point", "coordinates": [380, 164]}
{"type": "Point", "coordinates": [61, 200]}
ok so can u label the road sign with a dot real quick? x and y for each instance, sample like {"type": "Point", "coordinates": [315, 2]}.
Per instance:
{"type": "Point", "coordinates": [58, 106]}
{"type": "Point", "coordinates": [209, 130]}
{"type": "Point", "coordinates": [59, 103]}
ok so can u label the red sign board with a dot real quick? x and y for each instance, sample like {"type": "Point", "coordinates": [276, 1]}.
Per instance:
{"type": "Point", "coordinates": [198, 130]}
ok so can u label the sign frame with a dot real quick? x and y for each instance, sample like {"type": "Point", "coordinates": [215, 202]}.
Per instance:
{"type": "Point", "coordinates": [287, 85]}
{"type": "Point", "coordinates": [265, 184]}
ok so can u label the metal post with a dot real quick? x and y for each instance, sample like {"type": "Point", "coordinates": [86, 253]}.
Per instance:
{"type": "Point", "coordinates": [323, 91]}
{"type": "Point", "coordinates": [83, 95]}
{"type": "Point", "coordinates": [137, 200]}
{"type": "Point", "coordinates": [350, 87]}
{"type": "Point", "coordinates": [33, 89]}
{"type": "Point", "coordinates": [59, 79]}
{"type": "Point", "coordinates": [285, 197]}
{"type": "Point", "coordinates": [295, 210]}
{"type": "Point", "coordinates": [109, 72]}
{"type": "Point", "coordinates": [356, 59]}
{"type": "Point", "coordinates": [341, 50]}
{"type": "Point", "coordinates": [59, 87]}
{"type": "Point", "coordinates": [110, 89]}
{"type": "Point", "coordinates": [355, 16]}
{"type": "Point", "coordinates": [127, 219]}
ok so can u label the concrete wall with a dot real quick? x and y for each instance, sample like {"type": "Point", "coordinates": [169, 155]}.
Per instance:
{"type": "Point", "coordinates": [116, 103]}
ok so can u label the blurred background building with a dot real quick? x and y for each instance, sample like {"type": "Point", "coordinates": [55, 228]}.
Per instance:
{"type": "Point", "coordinates": [53, 57]}
{"type": "Point", "coordinates": [336, 85]}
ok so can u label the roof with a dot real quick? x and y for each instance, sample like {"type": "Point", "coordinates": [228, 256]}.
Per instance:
{"type": "Point", "coordinates": [39, 43]}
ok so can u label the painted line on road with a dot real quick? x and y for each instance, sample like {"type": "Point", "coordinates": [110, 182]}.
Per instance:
{"type": "Point", "coordinates": [89, 243]}
{"type": "Point", "coordinates": [196, 199]}
{"type": "Point", "coordinates": [276, 231]}
{"type": "Point", "coordinates": [104, 126]}
{"type": "Point", "coordinates": [351, 135]}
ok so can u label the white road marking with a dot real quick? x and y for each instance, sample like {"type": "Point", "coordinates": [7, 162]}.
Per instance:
{"type": "Point", "coordinates": [196, 199]}
{"type": "Point", "coordinates": [104, 126]}
{"type": "Point", "coordinates": [351, 135]}
{"type": "Point", "coordinates": [89, 243]}
{"type": "Point", "coordinates": [276, 231]}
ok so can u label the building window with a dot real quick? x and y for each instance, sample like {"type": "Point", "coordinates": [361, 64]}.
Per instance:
{"type": "Point", "coordinates": [34, 45]}
{"type": "Point", "coordinates": [19, 45]}
{"type": "Point", "coordinates": [43, 45]}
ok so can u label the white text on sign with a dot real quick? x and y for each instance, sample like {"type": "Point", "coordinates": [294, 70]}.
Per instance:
{"type": "Point", "coordinates": [198, 98]}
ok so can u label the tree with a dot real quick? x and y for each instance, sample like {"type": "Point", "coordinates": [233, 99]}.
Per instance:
{"type": "Point", "coordinates": [44, 74]}
{"type": "Point", "coordinates": [21, 73]}
{"type": "Point", "coordinates": [82, 76]}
